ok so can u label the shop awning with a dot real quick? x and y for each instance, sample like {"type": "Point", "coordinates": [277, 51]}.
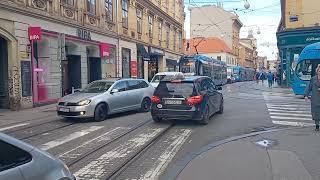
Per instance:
{"type": "Point", "coordinates": [143, 51]}
{"type": "Point", "coordinates": [171, 62]}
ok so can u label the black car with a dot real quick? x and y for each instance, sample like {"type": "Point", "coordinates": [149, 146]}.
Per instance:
{"type": "Point", "coordinates": [186, 98]}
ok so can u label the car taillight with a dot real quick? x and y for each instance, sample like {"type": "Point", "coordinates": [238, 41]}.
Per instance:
{"type": "Point", "coordinates": [155, 99]}
{"type": "Point", "coordinates": [194, 100]}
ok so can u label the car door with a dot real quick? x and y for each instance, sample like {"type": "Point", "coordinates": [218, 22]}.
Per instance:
{"type": "Point", "coordinates": [118, 101]}
{"type": "Point", "coordinates": [134, 94]}
{"type": "Point", "coordinates": [207, 94]}
{"type": "Point", "coordinates": [11, 158]}
{"type": "Point", "coordinates": [215, 95]}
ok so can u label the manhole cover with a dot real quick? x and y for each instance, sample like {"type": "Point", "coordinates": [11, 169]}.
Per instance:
{"type": "Point", "coordinates": [265, 143]}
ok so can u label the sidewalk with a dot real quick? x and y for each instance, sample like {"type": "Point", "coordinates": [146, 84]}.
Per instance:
{"type": "Point", "coordinates": [291, 154]}
{"type": "Point", "coordinates": [8, 117]}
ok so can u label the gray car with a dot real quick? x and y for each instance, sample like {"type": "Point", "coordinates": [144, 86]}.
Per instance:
{"type": "Point", "coordinates": [21, 161]}
{"type": "Point", "coordinates": [104, 97]}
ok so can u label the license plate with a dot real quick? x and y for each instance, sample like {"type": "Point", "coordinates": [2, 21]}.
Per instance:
{"type": "Point", "coordinates": [173, 102]}
{"type": "Point", "coordinates": [64, 109]}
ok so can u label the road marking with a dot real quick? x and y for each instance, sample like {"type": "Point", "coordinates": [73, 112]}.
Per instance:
{"type": "Point", "coordinates": [98, 168]}
{"type": "Point", "coordinates": [14, 126]}
{"type": "Point", "coordinates": [289, 111]}
{"type": "Point", "coordinates": [291, 118]}
{"type": "Point", "coordinates": [76, 152]}
{"type": "Point", "coordinates": [291, 114]}
{"type": "Point", "coordinates": [68, 138]}
{"type": "Point", "coordinates": [287, 105]}
{"type": "Point", "coordinates": [165, 158]}
{"type": "Point", "coordinates": [289, 123]}
{"type": "Point", "coordinates": [284, 108]}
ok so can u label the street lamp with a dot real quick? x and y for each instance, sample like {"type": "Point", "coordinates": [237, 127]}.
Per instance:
{"type": "Point", "coordinates": [246, 4]}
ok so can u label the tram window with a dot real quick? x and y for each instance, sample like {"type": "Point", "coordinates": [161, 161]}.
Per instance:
{"type": "Point", "coordinates": [304, 70]}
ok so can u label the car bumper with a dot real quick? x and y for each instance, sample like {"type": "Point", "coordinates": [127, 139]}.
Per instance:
{"type": "Point", "coordinates": [75, 111]}
{"type": "Point", "coordinates": [177, 114]}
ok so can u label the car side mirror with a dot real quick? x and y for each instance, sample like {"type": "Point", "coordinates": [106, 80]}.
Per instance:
{"type": "Point", "coordinates": [114, 91]}
{"type": "Point", "coordinates": [219, 88]}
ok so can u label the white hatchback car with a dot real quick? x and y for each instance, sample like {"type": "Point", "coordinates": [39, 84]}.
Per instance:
{"type": "Point", "coordinates": [21, 161]}
{"type": "Point", "coordinates": [159, 76]}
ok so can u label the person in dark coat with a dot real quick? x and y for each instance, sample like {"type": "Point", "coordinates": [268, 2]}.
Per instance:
{"type": "Point", "coordinates": [314, 89]}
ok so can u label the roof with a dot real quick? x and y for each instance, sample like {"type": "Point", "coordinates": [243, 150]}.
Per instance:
{"type": "Point", "coordinates": [207, 45]}
{"type": "Point", "coordinates": [168, 73]}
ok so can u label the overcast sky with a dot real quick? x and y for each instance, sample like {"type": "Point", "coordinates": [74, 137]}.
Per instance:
{"type": "Point", "coordinates": [263, 14]}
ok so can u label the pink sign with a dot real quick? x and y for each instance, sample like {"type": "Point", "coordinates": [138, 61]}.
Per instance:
{"type": "Point", "coordinates": [134, 69]}
{"type": "Point", "coordinates": [35, 33]}
{"type": "Point", "coordinates": [104, 50]}
{"type": "Point", "coordinates": [38, 70]}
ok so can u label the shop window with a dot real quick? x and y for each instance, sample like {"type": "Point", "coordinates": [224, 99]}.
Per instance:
{"type": "Point", "coordinates": [124, 13]}
{"type": "Point", "coordinates": [109, 10]}
{"type": "Point", "coordinates": [139, 20]}
{"type": "Point", "coordinates": [91, 6]}
{"type": "Point", "coordinates": [67, 2]}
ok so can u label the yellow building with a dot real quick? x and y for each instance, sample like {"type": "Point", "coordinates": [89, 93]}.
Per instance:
{"type": "Point", "coordinates": [299, 27]}
{"type": "Point", "coordinates": [50, 47]}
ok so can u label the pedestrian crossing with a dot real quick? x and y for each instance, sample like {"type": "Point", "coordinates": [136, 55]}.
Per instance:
{"type": "Point", "coordinates": [287, 109]}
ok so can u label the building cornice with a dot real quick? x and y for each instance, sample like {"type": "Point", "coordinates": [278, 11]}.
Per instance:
{"type": "Point", "coordinates": [158, 11]}
{"type": "Point", "coordinates": [55, 19]}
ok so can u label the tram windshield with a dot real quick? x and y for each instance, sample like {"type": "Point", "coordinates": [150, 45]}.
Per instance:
{"type": "Point", "coordinates": [306, 69]}
{"type": "Point", "coordinates": [188, 67]}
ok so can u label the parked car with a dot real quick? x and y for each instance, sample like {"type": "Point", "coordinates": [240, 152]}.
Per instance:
{"type": "Point", "coordinates": [104, 97]}
{"type": "Point", "coordinates": [21, 161]}
{"type": "Point", "coordinates": [159, 76]}
{"type": "Point", "coordinates": [188, 98]}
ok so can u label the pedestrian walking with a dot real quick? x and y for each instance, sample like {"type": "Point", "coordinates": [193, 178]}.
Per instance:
{"type": "Point", "coordinates": [270, 78]}
{"type": "Point", "coordinates": [257, 77]}
{"type": "Point", "coordinates": [314, 89]}
{"type": "Point", "coordinates": [262, 77]}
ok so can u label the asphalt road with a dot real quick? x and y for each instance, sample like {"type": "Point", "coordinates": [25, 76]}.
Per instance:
{"type": "Point", "coordinates": [132, 146]}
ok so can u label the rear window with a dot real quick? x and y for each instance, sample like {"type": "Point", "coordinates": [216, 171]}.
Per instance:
{"type": "Point", "coordinates": [175, 90]}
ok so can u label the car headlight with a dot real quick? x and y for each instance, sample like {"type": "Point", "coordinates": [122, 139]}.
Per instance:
{"type": "Point", "coordinates": [84, 102]}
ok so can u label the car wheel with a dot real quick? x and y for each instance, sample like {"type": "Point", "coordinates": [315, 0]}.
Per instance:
{"type": "Point", "coordinates": [145, 105]}
{"type": "Point", "coordinates": [206, 116]}
{"type": "Point", "coordinates": [156, 119]}
{"type": "Point", "coordinates": [101, 112]}
{"type": "Point", "coordinates": [221, 107]}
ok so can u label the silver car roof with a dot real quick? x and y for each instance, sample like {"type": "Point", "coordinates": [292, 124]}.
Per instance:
{"type": "Point", "coordinates": [16, 142]}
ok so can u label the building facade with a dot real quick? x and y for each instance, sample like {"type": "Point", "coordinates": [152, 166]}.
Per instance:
{"type": "Point", "coordinates": [214, 21]}
{"type": "Point", "coordinates": [212, 47]}
{"type": "Point", "coordinates": [299, 27]}
{"type": "Point", "coordinates": [51, 47]}
{"type": "Point", "coordinates": [248, 53]}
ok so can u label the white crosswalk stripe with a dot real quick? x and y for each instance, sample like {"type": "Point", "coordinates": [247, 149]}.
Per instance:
{"type": "Point", "coordinates": [287, 109]}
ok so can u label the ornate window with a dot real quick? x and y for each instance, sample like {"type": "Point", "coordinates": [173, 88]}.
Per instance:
{"type": "Point", "coordinates": [139, 20]}
{"type": "Point", "coordinates": [124, 13]}
{"type": "Point", "coordinates": [168, 36]}
{"type": "Point", "coordinates": [109, 10]}
{"type": "Point", "coordinates": [68, 2]}
{"type": "Point", "coordinates": [150, 25]}
{"type": "Point", "coordinates": [91, 6]}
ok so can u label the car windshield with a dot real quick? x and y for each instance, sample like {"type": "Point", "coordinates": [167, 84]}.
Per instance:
{"type": "Point", "coordinates": [157, 78]}
{"type": "Point", "coordinates": [97, 87]}
{"type": "Point", "coordinates": [177, 90]}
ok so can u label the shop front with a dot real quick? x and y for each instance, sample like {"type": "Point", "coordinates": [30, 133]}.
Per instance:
{"type": "Point", "coordinates": [290, 45]}
{"type": "Point", "coordinates": [143, 58]}
{"type": "Point", "coordinates": [62, 63]}
{"type": "Point", "coordinates": [156, 59]}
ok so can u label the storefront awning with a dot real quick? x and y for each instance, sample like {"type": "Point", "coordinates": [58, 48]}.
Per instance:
{"type": "Point", "coordinates": [171, 62]}
{"type": "Point", "coordinates": [143, 52]}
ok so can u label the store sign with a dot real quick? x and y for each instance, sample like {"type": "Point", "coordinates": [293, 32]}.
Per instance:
{"type": "Point", "coordinates": [134, 69]}
{"type": "Point", "coordinates": [104, 50]}
{"type": "Point", "coordinates": [83, 34]}
{"type": "Point", "coordinates": [34, 33]}
{"type": "Point", "coordinates": [156, 51]}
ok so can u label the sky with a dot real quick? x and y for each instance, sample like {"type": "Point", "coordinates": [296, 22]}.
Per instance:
{"type": "Point", "coordinates": [263, 15]}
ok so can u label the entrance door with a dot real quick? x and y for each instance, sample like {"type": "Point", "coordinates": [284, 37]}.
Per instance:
{"type": "Point", "coordinates": [74, 72]}
{"type": "Point", "coordinates": [4, 95]}
{"type": "Point", "coordinates": [153, 67]}
{"type": "Point", "coordinates": [94, 69]}
{"type": "Point", "coordinates": [126, 63]}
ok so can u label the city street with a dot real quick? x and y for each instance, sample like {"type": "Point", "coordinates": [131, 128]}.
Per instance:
{"type": "Point", "coordinates": [132, 146]}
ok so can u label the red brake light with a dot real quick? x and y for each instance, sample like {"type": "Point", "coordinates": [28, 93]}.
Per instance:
{"type": "Point", "coordinates": [194, 100]}
{"type": "Point", "coordinates": [155, 99]}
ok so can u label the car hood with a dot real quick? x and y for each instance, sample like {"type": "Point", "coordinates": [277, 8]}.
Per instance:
{"type": "Point", "coordinates": [78, 96]}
